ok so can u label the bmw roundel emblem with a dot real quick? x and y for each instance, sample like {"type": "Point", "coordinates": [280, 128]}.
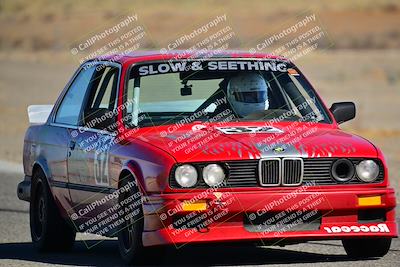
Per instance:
{"type": "Point", "coordinates": [279, 149]}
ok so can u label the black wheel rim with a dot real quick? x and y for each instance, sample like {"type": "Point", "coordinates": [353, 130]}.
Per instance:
{"type": "Point", "coordinates": [39, 212]}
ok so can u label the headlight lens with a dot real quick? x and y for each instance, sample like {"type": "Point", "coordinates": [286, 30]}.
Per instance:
{"type": "Point", "coordinates": [342, 170]}
{"type": "Point", "coordinates": [186, 175]}
{"type": "Point", "coordinates": [367, 170]}
{"type": "Point", "coordinates": [213, 174]}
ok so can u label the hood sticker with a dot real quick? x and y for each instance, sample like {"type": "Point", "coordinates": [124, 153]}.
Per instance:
{"type": "Point", "coordinates": [327, 150]}
{"type": "Point", "coordinates": [249, 129]}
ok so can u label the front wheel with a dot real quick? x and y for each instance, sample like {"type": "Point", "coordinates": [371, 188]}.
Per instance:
{"type": "Point", "coordinates": [367, 247]}
{"type": "Point", "coordinates": [130, 234]}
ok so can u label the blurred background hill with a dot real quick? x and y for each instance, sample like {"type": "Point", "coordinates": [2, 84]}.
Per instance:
{"type": "Point", "coordinates": [44, 25]}
{"type": "Point", "coordinates": [357, 60]}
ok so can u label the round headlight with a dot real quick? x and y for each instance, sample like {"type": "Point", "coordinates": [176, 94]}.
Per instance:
{"type": "Point", "coordinates": [213, 174]}
{"type": "Point", "coordinates": [342, 170]}
{"type": "Point", "coordinates": [367, 170]}
{"type": "Point", "coordinates": [186, 175]}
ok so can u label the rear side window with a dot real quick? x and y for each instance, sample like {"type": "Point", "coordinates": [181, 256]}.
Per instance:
{"type": "Point", "coordinates": [70, 107]}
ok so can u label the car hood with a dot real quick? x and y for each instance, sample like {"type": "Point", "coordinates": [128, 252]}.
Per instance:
{"type": "Point", "coordinates": [197, 142]}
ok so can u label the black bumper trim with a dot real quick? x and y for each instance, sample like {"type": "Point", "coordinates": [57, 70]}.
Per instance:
{"type": "Point", "coordinates": [24, 190]}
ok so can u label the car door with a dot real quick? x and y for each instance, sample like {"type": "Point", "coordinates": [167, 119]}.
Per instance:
{"type": "Point", "coordinates": [88, 163]}
{"type": "Point", "coordinates": [57, 134]}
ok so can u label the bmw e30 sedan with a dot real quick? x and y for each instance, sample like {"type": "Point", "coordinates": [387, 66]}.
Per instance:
{"type": "Point", "coordinates": [175, 148]}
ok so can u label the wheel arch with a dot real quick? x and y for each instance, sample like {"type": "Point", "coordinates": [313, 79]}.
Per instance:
{"type": "Point", "coordinates": [132, 170]}
{"type": "Point", "coordinates": [126, 171]}
{"type": "Point", "coordinates": [41, 164]}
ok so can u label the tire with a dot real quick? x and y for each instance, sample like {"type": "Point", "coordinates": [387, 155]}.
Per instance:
{"type": "Point", "coordinates": [130, 234]}
{"type": "Point", "coordinates": [367, 247]}
{"type": "Point", "coordinates": [49, 231]}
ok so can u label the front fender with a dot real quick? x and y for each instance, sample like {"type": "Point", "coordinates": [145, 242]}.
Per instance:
{"type": "Point", "coordinates": [149, 165]}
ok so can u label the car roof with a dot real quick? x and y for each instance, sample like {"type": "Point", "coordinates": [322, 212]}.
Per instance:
{"type": "Point", "coordinates": [150, 55]}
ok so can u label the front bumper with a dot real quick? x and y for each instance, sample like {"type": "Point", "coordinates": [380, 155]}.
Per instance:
{"type": "Point", "coordinates": [271, 216]}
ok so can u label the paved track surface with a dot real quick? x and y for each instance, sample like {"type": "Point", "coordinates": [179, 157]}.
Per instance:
{"type": "Point", "coordinates": [16, 249]}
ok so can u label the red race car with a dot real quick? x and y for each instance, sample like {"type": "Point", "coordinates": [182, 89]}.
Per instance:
{"type": "Point", "coordinates": [178, 147]}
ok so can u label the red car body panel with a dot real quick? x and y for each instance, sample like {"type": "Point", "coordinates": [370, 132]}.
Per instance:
{"type": "Point", "coordinates": [150, 157]}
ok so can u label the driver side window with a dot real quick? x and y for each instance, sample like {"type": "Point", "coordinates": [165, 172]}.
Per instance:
{"type": "Point", "coordinates": [99, 109]}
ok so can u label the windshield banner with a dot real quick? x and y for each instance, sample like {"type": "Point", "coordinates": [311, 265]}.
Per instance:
{"type": "Point", "coordinates": [220, 65]}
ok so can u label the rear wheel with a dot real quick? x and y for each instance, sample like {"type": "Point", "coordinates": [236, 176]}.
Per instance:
{"type": "Point", "coordinates": [49, 231]}
{"type": "Point", "coordinates": [367, 247]}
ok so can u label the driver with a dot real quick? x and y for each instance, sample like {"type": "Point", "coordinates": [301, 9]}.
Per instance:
{"type": "Point", "coordinates": [248, 93]}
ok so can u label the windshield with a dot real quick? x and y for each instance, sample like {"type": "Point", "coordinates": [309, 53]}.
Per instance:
{"type": "Point", "coordinates": [219, 90]}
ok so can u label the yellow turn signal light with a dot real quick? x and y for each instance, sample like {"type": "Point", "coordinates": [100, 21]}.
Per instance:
{"type": "Point", "coordinates": [369, 201]}
{"type": "Point", "coordinates": [194, 206]}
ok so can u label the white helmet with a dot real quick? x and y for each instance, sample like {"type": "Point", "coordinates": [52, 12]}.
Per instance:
{"type": "Point", "coordinates": [248, 93]}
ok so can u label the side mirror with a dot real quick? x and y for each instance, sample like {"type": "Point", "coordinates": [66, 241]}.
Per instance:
{"type": "Point", "coordinates": [343, 111]}
{"type": "Point", "coordinates": [99, 118]}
